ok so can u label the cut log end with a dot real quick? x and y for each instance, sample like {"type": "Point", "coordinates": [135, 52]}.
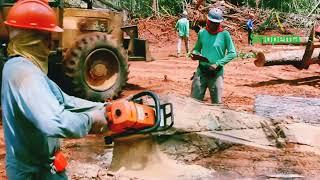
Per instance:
{"type": "Point", "coordinates": [260, 59]}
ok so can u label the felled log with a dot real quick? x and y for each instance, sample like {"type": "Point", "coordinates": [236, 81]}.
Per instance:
{"type": "Point", "coordinates": [299, 109]}
{"type": "Point", "coordinates": [200, 130]}
{"type": "Point", "coordinates": [300, 59]}
{"type": "Point", "coordinates": [292, 57]}
{"type": "Point", "coordinates": [210, 127]}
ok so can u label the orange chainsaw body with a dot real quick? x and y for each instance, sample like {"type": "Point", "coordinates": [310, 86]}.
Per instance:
{"type": "Point", "coordinates": [128, 115]}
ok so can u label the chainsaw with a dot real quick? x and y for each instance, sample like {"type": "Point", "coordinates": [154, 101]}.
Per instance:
{"type": "Point", "coordinates": [134, 116]}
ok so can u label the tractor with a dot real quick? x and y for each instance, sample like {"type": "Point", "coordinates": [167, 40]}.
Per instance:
{"type": "Point", "coordinates": [90, 58]}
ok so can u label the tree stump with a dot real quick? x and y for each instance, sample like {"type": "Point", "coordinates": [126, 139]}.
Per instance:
{"type": "Point", "coordinates": [134, 153]}
{"type": "Point", "coordinates": [140, 156]}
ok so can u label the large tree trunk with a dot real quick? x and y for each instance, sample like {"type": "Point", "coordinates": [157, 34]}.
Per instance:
{"type": "Point", "coordinates": [300, 59]}
{"type": "Point", "coordinates": [292, 57]}
{"type": "Point", "coordinates": [200, 130]}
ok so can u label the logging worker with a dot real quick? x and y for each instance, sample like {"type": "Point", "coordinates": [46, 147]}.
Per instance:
{"type": "Point", "coordinates": [250, 28]}
{"type": "Point", "coordinates": [216, 45]}
{"type": "Point", "coordinates": [35, 111]}
{"type": "Point", "coordinates": [182, 27]}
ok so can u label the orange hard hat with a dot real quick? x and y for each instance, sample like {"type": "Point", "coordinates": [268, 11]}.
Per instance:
{"type": "Point", "coordinates": [33, 14]}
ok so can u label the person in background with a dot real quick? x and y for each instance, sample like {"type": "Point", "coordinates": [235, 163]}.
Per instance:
{"type": "Point", "coordinates": [250, 28]}
{"type": "Point", "coordinates": [214, 44]}
{"type": "Point", "coordinates": [182, 27]}
{"type": "Point", "coordinates": [35, 111]}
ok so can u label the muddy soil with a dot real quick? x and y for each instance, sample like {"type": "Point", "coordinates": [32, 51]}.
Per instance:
{"type": "Point", "coordinates": [242, 161]}
{"type": "Point", "coordinates": [242, 82]}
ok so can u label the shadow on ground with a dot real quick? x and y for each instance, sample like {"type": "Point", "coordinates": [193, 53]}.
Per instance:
{"type": "Point", "coordinates": [310, 81]}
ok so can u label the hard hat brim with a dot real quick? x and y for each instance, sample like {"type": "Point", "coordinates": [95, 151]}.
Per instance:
{"type": "Point", "coordinates": [54, 29]}
{"type": "Point", "coordinates": [215, 20]}
{"type": "Point", "coordinates": [57, 29]}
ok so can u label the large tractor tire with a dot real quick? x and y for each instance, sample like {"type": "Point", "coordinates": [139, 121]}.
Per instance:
{"type": "Point", "coordinates": [97, 67]}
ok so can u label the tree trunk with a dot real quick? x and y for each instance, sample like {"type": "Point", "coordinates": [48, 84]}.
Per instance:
{"type": "Point", "coordinates": [208, 126]}
{"type": "Point", "coordinates": [155, 7]}
{"type": "Point", "coordinates": [134, 153]}
{"type": "Point", "coordinates": [292, 57]}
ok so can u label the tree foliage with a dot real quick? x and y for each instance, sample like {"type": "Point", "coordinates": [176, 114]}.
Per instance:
{"type": "Point", "coordinates": [291, 6]}
{"type": "Point", "coordinates": [143, 8]}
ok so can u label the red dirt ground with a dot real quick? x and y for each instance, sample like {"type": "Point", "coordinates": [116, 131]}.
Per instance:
{"type": "Point", "coordinates": [242, 82]}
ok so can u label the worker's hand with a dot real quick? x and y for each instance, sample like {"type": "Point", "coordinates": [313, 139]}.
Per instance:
{"type": "Point", "coordinates": [213, 67]}
{"type": "Point", "coordinates": [129, 98]}
{"type": "Point", "coordinates": [192, 56]}
{"type": "Point", "coordinates": [189, 55]}
{"type": "Point", "coordinates": [99, 121]}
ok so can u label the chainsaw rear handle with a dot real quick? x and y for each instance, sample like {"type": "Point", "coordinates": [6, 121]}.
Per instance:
{"type": "Point", "coordinates": [166, 116]}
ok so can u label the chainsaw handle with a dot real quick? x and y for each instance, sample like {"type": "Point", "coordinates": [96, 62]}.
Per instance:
{"type": "Point", "coordinates": [157, 107]}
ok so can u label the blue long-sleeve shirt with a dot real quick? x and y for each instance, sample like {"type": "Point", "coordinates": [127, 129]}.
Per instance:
{"type": "Point", "coordinates": [250, 24]}
{"type": "Point", "coordinates": [35, 113]}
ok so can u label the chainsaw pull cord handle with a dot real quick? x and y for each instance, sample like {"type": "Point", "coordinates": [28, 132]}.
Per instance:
{"type": "Point", "coordinates": [156, 100]}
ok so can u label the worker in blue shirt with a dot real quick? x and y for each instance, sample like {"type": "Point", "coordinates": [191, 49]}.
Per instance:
{"type": "Point", "coordinates": [35, 111]}
{"type": "Point", "coordinates": [250, 28]}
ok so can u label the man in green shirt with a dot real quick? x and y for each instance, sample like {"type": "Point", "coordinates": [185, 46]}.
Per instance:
{"type": "Point", "coordinates": [182, 26]}
{"type": "Point", "coordinates": [215, 44]}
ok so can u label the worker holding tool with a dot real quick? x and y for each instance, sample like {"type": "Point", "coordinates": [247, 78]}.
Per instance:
{"type": "Point", "coordinates": [35, 111]}
{"type": "Point", "coordinates": [214, 49]}
{"type": "Point", "coordinates": [182, 27]}
{"type": "Point", "coordinates": [250, 28]}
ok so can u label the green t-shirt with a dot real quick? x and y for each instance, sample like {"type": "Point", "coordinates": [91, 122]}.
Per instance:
{"type": "Point", "coordinates": [218, 49]}
{"type": "Point", "coordinates": [182, 26]}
